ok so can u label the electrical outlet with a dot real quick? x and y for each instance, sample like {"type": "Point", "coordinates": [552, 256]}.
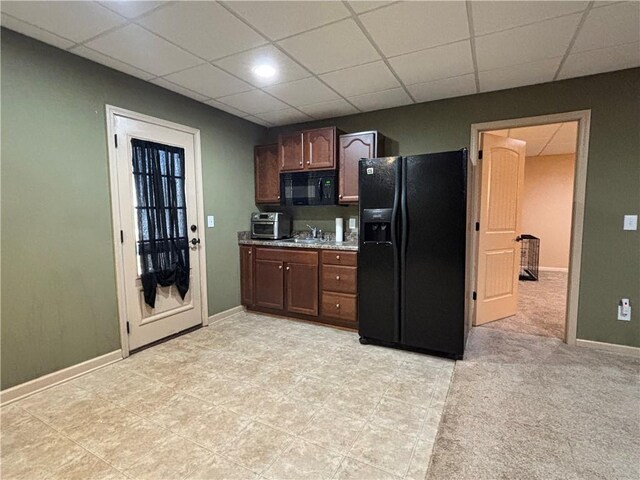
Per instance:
{"type": "Point", "coordinates": [353, 223]}
{"type": "Point", "coordinates": [624, 310]}
{"type": "Point", "coordinates": [211, 221]}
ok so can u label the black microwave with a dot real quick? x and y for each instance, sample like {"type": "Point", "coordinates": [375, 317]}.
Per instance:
{"type": "Point", "coordinates": [309, 188]}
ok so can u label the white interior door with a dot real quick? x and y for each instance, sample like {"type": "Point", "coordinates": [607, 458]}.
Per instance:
{"type": "Point", "coordinates": [171, 313]}
{"type": "Point", "coordinates": [502, 179]}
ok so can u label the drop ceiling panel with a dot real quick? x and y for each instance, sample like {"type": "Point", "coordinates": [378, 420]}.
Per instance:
{"type": "Point", "coordinates": [161, 82]}
{"type": "Point", "coordinates": [257, 120]}
{"type": "Point", "coordinates": [609, 26]}
{"type": "Point", "coordinates": [567, 133]}
{"type": "Point", "coordinates": [559, 148]}
{"type": "Point", "coordinates": [283, 117]}
{"type": "Point", "coordinates": [490, 17]}
{"type": "Point", "coordinates": [333, 47]}
{"type": "Point", "coordinates": [110, 62]}
{"type": "Point", "coordinates": [537, 132]}
{"type": "Point", "coordinates": [282, 19]}
{"type": "Point", "coordinates": [409, 26]}
{"type": "Point", "coordinates": [35, 32]}
{"type": "Point", "coordinates": [336, 108]}
{"type": "Point", "coordinates": [362, 79]}
{"type": "Point", "coordinates": [226, 108]}
{"type": "Point", "coordinates": [254, 102]}
{"type": "Point", "coordinates": [540, 41]}
{"type": "Point", "coordinates": [151, 53]}
{"type": "Point", "coordinates": [203, 28]}
{"type": "Point", "coordinates": [380, 100]}
{"type": "Point", "coordinates": [76, 21]}
{"type": "Point", "coordinates": [242, 65]}
{"type": "Point", "coordinates": [434, 63]}
{"type": "Point", "coordinates": [445, 88]}
{"type": "Point", "coordinates": [131, 9]}
{"type": "Point", "coordinates": [602, 60]}
{"type": "Point", "coordinates": [518, 75]}
{"type": "Point", "coordinates": [303, 92]}
{"type": "Point", "coordinates": [209, 81]}
{"type": "Point", "coordinates": [365, 6]}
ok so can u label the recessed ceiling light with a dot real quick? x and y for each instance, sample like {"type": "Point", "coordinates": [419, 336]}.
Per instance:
{"type": "Point", "coordinates": [264, 71]}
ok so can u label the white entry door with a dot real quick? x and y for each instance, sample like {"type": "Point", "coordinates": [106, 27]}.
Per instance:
{"type": "Point", "coordinates": [502, 179]}
{"type": "Point", "coordinates": [170, 313]}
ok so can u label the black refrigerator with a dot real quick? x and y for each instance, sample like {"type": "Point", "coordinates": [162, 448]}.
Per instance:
{"type": "Point", "coordinates": [411, 261]}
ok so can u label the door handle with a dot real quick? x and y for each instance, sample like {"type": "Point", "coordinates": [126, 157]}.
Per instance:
{"type": "Point", "coordinates": [195, 241]}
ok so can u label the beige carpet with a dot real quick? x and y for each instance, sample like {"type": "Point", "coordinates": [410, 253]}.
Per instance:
{"type": "Point", "coordinates": [530, 407]}
{"type": "Point", "coordinates": [541, 307]}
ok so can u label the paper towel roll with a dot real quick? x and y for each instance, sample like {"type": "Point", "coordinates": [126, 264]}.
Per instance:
{"type": "Point", "coordinates": [339, 230]}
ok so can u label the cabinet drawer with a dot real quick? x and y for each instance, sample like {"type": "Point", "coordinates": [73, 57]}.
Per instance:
{"type": "Point", "coordinates": [339, 257]}
{"type": "Point", "coordinates": [338, 278]}
{"type": "Point", "coordinates": [340, 306]}
{"type": "Point", "coordinates": [306, 257]}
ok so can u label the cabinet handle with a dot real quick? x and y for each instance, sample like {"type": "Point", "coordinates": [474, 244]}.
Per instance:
{"type": "Point", "coordinates": [337, 257]}
{"type": "Point", "coordinates": [337, 305]}
{"type": "Point", "coordinates": [280, 267]}
{"type": "Point", "coordinates": [337, 277]}
{"type": "Point", "coordinates": [287, 268]}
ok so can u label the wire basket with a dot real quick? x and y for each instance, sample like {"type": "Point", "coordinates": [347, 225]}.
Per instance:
{"type": "Point", "coordinates": [529, 257]}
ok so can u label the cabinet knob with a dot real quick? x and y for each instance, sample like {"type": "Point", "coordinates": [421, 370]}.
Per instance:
{"type": "Point", "coordinates": [337, 305]}
{"type": "Point", "coordinates": [300, 162]}
{"type": "Point", "coordinates": [308, 162]}
{"type": "Point", "coordinates": [337, 257]}
{"type": "Point", "coordinates": [340, 195]}
{"type": "Point", "coordinates": [287, 268]}
{"type": "Point", "coordinates": [278, 197]}
{"type": "Point", "coordinates": [280, 267]}
{"type": "Point", "coordinates": [337, 277]}
{"type": "Point", "coordinates": [250, 252]}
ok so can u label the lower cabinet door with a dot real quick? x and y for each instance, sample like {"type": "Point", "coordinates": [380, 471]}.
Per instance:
{"type": "Point", "coordinates": [246, 275]}
{"type": "Point", "coordinates": [269, 284]}
{"type": "Point", "coordinates": [302, 288]}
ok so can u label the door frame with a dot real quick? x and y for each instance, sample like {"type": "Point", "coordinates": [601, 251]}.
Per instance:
{"type": "Point", "coordinates": [583, 117]}
{"type": "Point", "coordinates": [111, 113]}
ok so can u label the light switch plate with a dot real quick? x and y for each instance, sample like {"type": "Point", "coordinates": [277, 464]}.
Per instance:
{"type": "Point", "coordinates": [210, 221]}
{"type": "Point", "coordinates": [630, 222]}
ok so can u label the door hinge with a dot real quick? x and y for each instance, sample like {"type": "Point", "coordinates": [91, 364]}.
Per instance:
{"type": "Point", "coordinates": [115, 137]}
{"type": "Point", "coordinates": [121, 236]}
{"type": "Point", "coordinates": [474, 295]}
{"type": "Point", "coordinates": [128, 329]}
{"type": "Point", "coordinates": [479, 154]}
{"type": "Point", "coordinates": [477, 226]}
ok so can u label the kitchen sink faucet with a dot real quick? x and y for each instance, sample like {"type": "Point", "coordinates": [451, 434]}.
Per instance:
{"type": "Point", "coordinates": [314, 231]}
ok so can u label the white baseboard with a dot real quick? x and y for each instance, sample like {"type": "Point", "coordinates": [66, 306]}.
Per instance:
{"type": "Point", "coordinates": [47, 381]}
{"type": "Point", "coordinates": [553, 269]}
{"type": "Point", "coordinates": [226, 314]}
{"type": "Point", "coordinates": [610, 347]}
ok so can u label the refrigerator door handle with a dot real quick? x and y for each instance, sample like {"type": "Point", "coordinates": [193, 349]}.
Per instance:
{"type": "Point", "coordinates": [404, 224]}
{"type": "Point", "coordinates": [396, 250]}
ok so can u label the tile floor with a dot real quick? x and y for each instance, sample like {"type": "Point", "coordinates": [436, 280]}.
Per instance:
{"type": "Point", "coordinates": [248, 397]}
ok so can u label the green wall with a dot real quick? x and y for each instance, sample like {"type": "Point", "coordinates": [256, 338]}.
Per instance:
{"type": "Point", "coordinates": [610, 256]}
{"type": "Point", "coordinates": [58, 278]}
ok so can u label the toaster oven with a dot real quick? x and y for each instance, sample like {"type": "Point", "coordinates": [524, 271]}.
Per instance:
{"type": "Point", "coordinates": [270, 225]}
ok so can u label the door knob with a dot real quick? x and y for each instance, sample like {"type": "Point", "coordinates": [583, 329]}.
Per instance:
{"type": "Point", "coordinates": [195, 241]}
{"type": "Point", "coordinates": [518, 238]}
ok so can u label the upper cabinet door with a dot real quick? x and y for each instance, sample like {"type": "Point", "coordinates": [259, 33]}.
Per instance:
{"type": "Point", "coordinates": [267, 172]}
{"type": "Point", "coordinates": [319, 148]}
{"type": "Point", "coordinates": [290, 152]}
{"type": "Point", "coordinates": [353, 147]}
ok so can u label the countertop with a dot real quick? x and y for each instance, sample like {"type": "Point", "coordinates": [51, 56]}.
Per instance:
{"type": "Point", "coordinates": [328, 245]}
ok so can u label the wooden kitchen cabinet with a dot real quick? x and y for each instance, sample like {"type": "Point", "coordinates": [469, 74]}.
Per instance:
{"type": "Point", "coordinates": [267, 174]}
{"type": "Point", "coordinates": [290, 152]}
{"type": "Point", "coordinates": [269, 283]}
{"type": "Point", "coordinates": [312, 284]}
{"type": "Point", "coordinates": [353, 147]}
{"type": "Point", "coordinates": [246, 275]}
{"type": "Point", "coordinates": [302, 288]}
{"type": "Point", "coordinates": [319, 148]}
